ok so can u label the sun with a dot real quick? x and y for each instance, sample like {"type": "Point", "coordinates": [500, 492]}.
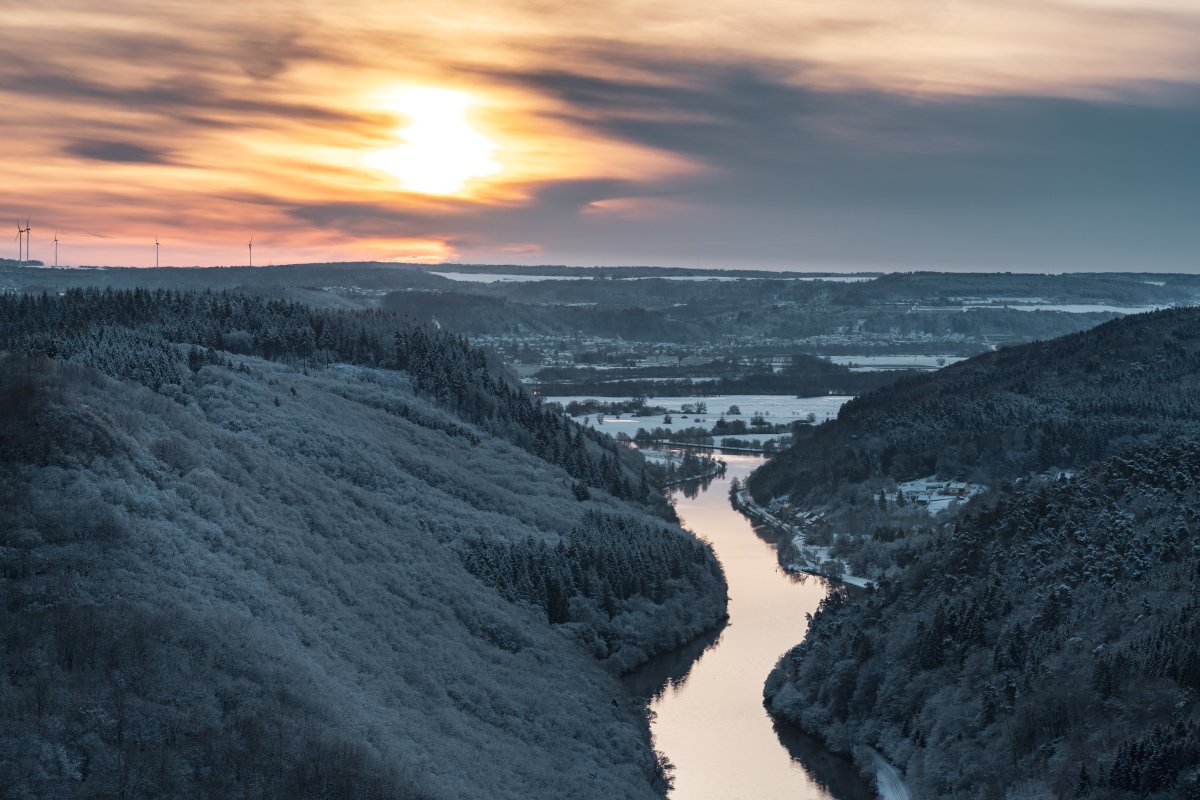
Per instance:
{"type": "Point", "coordinates": [439, 152]}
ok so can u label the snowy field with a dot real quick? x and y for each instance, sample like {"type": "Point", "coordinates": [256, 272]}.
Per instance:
{"type": "Point", "coordinates": [880, 363]}
{"type": "Point", "coordinates": [1070, 308]}
{"type": "Point", "coordinates": [835, 278]}
{"type": "Point", "coordinates": [492, 277]}
{"type": "Point", "coordinates": [773, 408]}
{"type": "Point", "coordinates": [1075, 308]}
{"type": "Point", "coordinates": [936, 495]}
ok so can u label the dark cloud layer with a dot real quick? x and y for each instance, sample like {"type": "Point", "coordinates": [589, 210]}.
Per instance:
{"type": "Point", "coordinates": [116, 152]}
{"type": "Point", "coordinates": [851, 177]}
{"type": "Point", "coordinates": [800, 175]}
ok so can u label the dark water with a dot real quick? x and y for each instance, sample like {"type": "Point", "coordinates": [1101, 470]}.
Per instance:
{"type": "Point", "coordinates": [707, 698]}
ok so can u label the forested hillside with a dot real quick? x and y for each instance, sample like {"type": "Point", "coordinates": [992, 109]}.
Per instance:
{"type": "Point", "coordinates": [1046, 641]}
{"type": "Point", "coordinates": [252, 549]}
{"type": "Point", "coordinates": [137, 335]}
{"type": "Point", "coordinates": [711, 312]}
{"type": "Point", "coordinates": [898, 290]}
{"type": "Point", "coordinates": [1029, 408]}
{"type": "Point", "coordinates": [364, 276]}
{"type": "Point", "coordinates": [1046, 646]}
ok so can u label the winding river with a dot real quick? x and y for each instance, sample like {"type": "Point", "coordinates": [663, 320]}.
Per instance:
{"type": "Point", "coordinates": [709, 719]}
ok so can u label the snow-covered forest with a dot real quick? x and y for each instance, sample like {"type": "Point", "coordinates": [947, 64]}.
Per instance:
{"type": "Point", "coordinates": [1043, 641]}
{"type": "Point", "coordinates": [1036, 409]}
{"type": "Point", "coordinates": [1048, 644]}
{"type": "Point", "coordinates": [251, 549]}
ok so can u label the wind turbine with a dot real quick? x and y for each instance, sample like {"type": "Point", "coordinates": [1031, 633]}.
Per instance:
{"type": "Point", "coordinates": [56, 249]}
{"type": "Point", "coordinates": [156, 252]}
{"type": "Point", "coordinates": [251, 246]}
{"type": "Point", "coordinates": [23, 232]}
{"type": "Point", "coordinates": [28, 239]}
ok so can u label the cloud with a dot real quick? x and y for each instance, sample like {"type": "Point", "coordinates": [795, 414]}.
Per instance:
{"type": "Point", "coordinates": [116, 152]}
{"type": "Point", "coordinates": [769, 138]}
{"type": "Point", "coordinates": [800, 175]}
{"type": "Point", "coordinates": [879, 133]}
{"type": "Point", "coordinates": [549, 203]}
{"type": "Point", "coordinates": [202, 100]}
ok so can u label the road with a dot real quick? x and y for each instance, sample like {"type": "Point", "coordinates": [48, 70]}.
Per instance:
{"type": "Point", "coordinates": [889, 780]}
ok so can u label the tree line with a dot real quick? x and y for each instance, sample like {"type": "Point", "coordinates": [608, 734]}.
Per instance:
{"type": "Point", "coordinates": [155, 337]}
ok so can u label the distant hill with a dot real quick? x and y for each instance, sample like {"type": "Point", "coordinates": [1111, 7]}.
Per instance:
{"type": "Point", "coordinates": [474, 314]}
{"type": "Point", "coordinates": [1027, 408]}
{"type": "Point", "coordinates": [1122, 289]}
{"type": "Point", "coordinates": [904, 313]}
{"type": "Point", "coordinates": [363, 276]}
{"type": "Point", "coordinates": [251, 548]}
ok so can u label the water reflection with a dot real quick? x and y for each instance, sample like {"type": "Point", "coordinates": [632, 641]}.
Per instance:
{"type": "Point", "coordinates": [693, 489]}
{"type": "Point", "coordinates": [831, 773]}
{"type": "Point", "coordinates": [706, 699]}
{"type": "Point", "coordinates": [670, 670]}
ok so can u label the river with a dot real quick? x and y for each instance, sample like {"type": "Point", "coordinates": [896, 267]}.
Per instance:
{"type": "Point", "coordinates": [709, 718]}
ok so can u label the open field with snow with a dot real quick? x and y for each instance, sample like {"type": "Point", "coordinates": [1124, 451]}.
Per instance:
{"type": "Point", "coordinates": [936, 495]}
{"type": "Point", "coordinates": [877, 363]}
{"type": "Point", "coordinates": [1069, 308]}
{"type": "Point", "coordinates": [495, 277]}
{"type": "Point", "coordinates": [773, 408]}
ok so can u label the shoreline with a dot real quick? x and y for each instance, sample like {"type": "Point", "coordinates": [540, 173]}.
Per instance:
{"type": "Point", "coordinates": [889, 779]}
{"type": "Point", "coordinates": [744, 503]}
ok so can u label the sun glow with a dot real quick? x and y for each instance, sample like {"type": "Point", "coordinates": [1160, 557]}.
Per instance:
{"type": "Point", "coordinates": [440, 151]}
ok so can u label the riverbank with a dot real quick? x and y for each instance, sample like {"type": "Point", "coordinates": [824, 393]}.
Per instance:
{"type": "Point", "coordinates": [707, 715]}
{"type": "Point", "coordinates": [796, 555]}
{"type": "Point", "coordinates": [889, 780]}
{"type": "Point", "coordinates": [715, 472]}
{"type": "Point", "coordinates": [712, 467]}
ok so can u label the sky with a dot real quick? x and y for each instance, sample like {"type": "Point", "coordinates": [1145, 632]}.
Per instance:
{"type": "Point", "coordinates": [1024, 135]}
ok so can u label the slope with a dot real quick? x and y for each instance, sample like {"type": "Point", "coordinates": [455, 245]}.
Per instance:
{"type": "Point", "coordinates": [229, 577]}
{"type": "Point", "coordinates": [1047, 646]}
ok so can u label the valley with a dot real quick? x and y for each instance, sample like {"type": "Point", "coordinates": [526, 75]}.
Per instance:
{"type": "Point", "coordinates": [405, 503]}
{"type": "Point", "coordinates": [651, 400]}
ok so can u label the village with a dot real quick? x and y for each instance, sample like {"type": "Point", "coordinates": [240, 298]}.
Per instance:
{"type": "Point", "coordinates": [811, 545]}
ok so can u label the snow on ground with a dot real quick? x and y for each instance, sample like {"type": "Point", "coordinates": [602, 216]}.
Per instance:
{"type": "Point", "coordinates": [1070, 308]}
{"type": "Point", "coordinates": [495, 277]}
{"type": "Point", "coordinates": [1083, 308]}
{"type": "Point", "coordinates": [888, 780]}
{"type": "Point", "coordinates": [837, 278]}
{"type": "Point", "coordinates": [773, 408]}
{"type": "Point", "coordinates": [492, 277]}
{"type": "Point", "coordinates": [879, 363]}
{"type": "Point", "coordinates": [809, 558]}
{"type": "Point", "coordinates": [936, 495]}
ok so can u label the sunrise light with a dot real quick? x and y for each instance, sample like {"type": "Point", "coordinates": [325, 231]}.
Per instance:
{"type": "Point", "coordinates": [439, 151]}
